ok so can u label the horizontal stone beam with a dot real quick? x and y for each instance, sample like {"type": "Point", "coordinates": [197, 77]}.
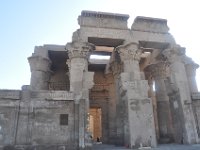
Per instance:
{"type": "Point", "coordinates": [98, 14]}
{"type": "Point", "coordinates": [10, 94]}
{"type": "Point", "coordinates": [103, 20]}
{"type": "Point", "coordinates": [148, 24]}
{"type": "Point", "coordinates": [52, 95]}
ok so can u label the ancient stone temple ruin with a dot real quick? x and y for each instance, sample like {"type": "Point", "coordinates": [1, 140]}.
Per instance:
{"type": "Point", "coordinates": [132, 87]}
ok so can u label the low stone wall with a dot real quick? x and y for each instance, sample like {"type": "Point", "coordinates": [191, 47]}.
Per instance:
{"type": "Point", "coordinates": [9, 104]}
{"type": "Point", "coordinates": [38, 147]}
{"type": "Point", "coordinates": [40, 119]}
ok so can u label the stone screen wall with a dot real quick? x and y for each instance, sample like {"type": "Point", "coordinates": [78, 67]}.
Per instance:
{"type": "Point", "coordinates": [34, 117]}
{"type": "Point", "coordinates": [196, 109]}
{"type": "Point", "coordinates": [47, 127]}
{"type": "Point", "coordinates": [9, 104]}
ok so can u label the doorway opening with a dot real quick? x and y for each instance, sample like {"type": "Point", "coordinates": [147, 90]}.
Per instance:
{"type": "Point", "coordinates": [95, 123]}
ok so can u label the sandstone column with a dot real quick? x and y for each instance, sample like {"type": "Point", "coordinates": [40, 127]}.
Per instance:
{"type": "Point", "coordinates": [191, 73]}
{"type": "Point", "coordinates": [159, 73]}
{"type": "Point", "coordinates": [40, 69]}
{"type": "Point", "coordinates": [151, 95]}
{"type": "Point", "coordinates": [139, 128]}
{"type": "Point", "coordinates": [80, 82]}
{"type": "Point", "coordinates": [116, 70]}
{"type": "Point", "coordinates": [179, 92]}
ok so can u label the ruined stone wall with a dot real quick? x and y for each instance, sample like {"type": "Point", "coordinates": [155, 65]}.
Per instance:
{"type": "Point", "coordinates": [36, 118]}
{"type": "Point", "coordinates": [9, 112]}
{"type": "Point", "coordinates": [196, 109]}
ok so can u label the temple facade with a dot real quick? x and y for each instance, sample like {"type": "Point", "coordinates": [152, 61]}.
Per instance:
{"type": "Point", "coordinates": [132, 87]}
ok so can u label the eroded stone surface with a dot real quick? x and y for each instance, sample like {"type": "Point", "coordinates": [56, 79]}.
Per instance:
{"type": "Point", "coordinates": [53, 112]}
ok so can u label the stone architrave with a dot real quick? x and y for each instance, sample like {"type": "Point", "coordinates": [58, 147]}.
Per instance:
{"type": "Point", "coordinates": [159, 72]}
{"type": "Point", "coordinates": [40, 70]}
{"type": "Point", "coordinates": [178, 79]}
{"type": "Point", "coordinates": [139, 128]}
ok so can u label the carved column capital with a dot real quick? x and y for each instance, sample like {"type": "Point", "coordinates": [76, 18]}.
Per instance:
{"type": "Point", "coordinates": [174, 54]}
{"type": "Point", "coordinates": [158, 70]}
{"type": "Point", "coordinates": [40, 72]}
{"type": "Point", "coordinates": [38, 63]}
{"type": "Point", "coordinates": [79, 49]}
{"type": "Point", "coordinates": [191, 69]}
{"type": "Point", "coordinates": [129, 51]}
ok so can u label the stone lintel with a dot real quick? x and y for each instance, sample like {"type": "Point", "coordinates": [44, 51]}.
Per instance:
{"type": "Point", "coordinates": [10, 94]}
{"type": "Point", "coordinates": [148, 24]}
{"type": "Point", "coordinates": [103, 20]}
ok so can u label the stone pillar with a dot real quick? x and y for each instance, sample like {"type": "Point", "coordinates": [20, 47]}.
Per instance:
{"type": "Point", "coordinates": [40, 69]}
{"type": "Point", "coordinates": [139, 128]}
{"type": "Point", "coordinates": [24, 119]}
{"type": "Point", "coordinates": [159, 73]}
{"type": "Point", "coordinates": [154, 103]}
{"type": "Point", "coordinates": [191, 73]}
{"type": "Point", "coordinates": [182, 100]}
{"type": "Point", "coordinates": [112, 108]}
{"type": "Point", "coordinates": [116, 70]}
{"type": "Point", "coordinates": [80, 82]}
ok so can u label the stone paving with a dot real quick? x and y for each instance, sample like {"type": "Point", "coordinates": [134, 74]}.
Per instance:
{"type": "Point", "coordinates": [160, 147]}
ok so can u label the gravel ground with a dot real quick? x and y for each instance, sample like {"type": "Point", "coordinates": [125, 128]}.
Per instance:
{"type": "Point", "coordinates": [160, 147]}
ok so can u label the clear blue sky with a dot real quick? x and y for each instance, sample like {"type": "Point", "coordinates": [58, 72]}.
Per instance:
{"type": "Point", "coordinates": [26, 23]}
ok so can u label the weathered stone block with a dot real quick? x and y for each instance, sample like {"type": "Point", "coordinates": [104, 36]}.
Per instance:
{"type": "Point", "coordinates": [147, 24]}
{"type": "Point", "coordinates": [103, 20]}
{"type": "Point", "coordinates": [10, 94]}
